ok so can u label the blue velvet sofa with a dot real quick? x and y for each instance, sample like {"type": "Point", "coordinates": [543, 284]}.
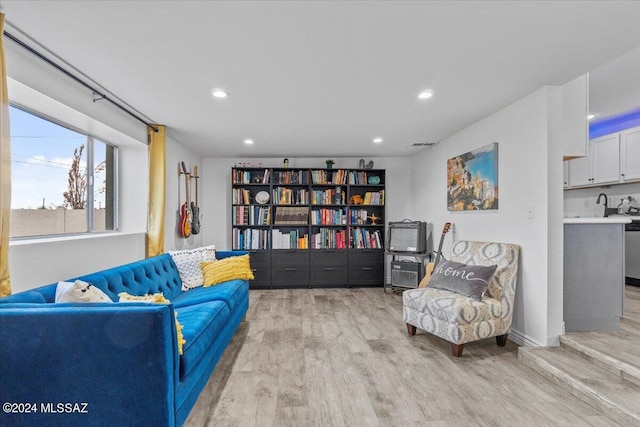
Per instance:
{"type": "Point", "coordinates": [64, 364]}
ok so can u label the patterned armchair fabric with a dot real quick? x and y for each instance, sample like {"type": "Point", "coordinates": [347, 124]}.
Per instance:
{"type": "Point", "coordinates": [459, 319]}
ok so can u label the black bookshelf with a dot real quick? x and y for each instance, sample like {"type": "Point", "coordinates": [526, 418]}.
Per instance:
{"type": "Point", "coordinates": [310, 227]}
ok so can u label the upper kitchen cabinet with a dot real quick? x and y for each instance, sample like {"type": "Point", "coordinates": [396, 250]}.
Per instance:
{"type": "Point", "coordinates": [575, 126]}
{"type": "Point", "coordinates": [630, 155]}
{"type": "Point", "coordinates": [600, 166]}
{"type": "Point", "coordinates": [613, 150]}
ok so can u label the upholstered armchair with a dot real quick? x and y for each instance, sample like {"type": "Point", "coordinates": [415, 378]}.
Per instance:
{"type": "Point", "coordinates": [459, 318]}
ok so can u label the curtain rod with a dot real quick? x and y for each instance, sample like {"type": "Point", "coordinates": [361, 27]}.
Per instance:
{"type": "Point", "coordinates": [76, 79]}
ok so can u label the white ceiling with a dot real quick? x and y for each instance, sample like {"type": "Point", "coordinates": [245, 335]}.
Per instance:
{"type": "Point", "coordinates": [324, 78]}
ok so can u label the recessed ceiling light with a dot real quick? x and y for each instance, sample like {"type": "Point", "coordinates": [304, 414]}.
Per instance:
{"type": "Point", "coordinates": [219, 93]}
{"type": "Point", "coordinates": [591, 116]}
{"type": "Point", "coordinates": [248, 141]}
{"type": "Point", "coordinates": [425, 94]}
{"type": "Point", "coordinates": [377, 140]}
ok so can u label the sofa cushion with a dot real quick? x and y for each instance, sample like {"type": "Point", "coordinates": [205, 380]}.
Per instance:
{"type": "Point", "coordinates": [233, 293]}
{"type": "Point", "coordinates": [79, 291]}
{"type": "Point", "coordinates": [188, 263]}
{"type": "Point", "coordinates": [451, 307]}
{"type": "Point", "coordinates": [235, 267]}
{"type": "Point", "coordinates": [201, 324]}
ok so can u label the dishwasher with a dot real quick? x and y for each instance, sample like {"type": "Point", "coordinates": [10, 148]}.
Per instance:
{"type": "Point", "coordinates": [632, 252]}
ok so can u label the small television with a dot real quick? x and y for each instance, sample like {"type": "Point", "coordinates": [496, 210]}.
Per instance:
{"type": "Point", "coordinates": [407, 236]}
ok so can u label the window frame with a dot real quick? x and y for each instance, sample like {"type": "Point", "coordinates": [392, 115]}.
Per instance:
{"type": "Point", "coordinates": [89, 142]}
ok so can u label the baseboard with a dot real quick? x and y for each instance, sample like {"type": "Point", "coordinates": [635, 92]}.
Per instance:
{"type": "Point", "coordinates": [523, 340]}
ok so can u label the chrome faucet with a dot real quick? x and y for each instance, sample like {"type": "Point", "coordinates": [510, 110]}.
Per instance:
{"type": "Point", "coordinates": [606, 201]}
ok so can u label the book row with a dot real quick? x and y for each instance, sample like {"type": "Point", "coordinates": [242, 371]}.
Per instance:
{"type": "Point", "coordinates": [301, 177]}
{"type": "Point", "coordinates": [324, 238]}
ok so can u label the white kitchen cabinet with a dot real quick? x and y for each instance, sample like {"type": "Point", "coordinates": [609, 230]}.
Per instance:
{"type": "Point", "coordinates": [580, 170]}
{"type": "Point", "coordinates": [565, 174]}
{"type": "Point", "coordinates": [601, 164]}
{"type": "Point", "coordinates": [630, 155]}
{"type": "Point", "coordinates": [606, 159]}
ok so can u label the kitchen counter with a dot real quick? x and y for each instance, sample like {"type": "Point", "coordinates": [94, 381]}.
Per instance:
{"type": "Point", "coordinates": [594, 276]}
{"type": "Point", "coordinates": [600, 220]}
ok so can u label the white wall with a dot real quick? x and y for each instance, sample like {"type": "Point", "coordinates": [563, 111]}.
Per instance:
{"type": "Point", "coordinates": [40, 262]}
{"type": "Point", "coordinates": [525, 146]}
{"type": "Point", "coordinates": [216, 195]}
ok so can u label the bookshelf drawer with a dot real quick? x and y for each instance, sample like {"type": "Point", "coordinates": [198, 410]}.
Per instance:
{"type": "Point", "coordinates": [335, 257]}
{"type": "Point", "coordinates": [366, 275]}
{"type": "Point", "coordinates": [328, 275]}
{"type": "Point", "coordinates": [294, 276]}
{"type": "Point", "coordinates": [259, 257]}
{"type": "Point", "coordinates": [287, 257]}
{"type": "Point", "coordinates": [262, 275]}
{"type": "Point", "coordinates": [366, 256]}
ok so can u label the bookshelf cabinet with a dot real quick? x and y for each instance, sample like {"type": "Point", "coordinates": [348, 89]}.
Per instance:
{"type": "Point", "coordinates": [310, 227]}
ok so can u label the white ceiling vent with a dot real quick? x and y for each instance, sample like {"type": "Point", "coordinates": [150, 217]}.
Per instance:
{"type": "Point", "coordinates": [423, 144]}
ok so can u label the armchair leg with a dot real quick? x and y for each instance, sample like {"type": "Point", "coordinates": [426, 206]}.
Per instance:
{"type": "Point", "coordinates": [501, 340]}
{"type": "Point", "coordinates": [411, 330]}
{"type": "Point", "coordinates": [456, 349]}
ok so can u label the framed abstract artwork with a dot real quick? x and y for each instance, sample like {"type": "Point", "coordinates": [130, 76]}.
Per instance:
{"type": "Point", "coordinates": [472, 180]}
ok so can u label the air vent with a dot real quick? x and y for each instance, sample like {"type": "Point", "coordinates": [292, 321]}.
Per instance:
{"type": "Point", "coordinates": [422, 144]}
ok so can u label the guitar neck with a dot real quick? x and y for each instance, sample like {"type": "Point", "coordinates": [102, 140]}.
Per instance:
{"type": "Point", "coordinates": [445, 230]}
{"type": "Point", "coordinates": [439, 253]}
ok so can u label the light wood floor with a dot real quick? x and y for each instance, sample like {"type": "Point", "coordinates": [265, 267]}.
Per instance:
{"type": "Point", "coordinates": [342, 357]}
{"type": "Point", "coordinates": [632, 303]}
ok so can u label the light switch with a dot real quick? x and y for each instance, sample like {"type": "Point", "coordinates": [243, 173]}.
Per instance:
{"type": "Point", "coordinates": [531, 211]}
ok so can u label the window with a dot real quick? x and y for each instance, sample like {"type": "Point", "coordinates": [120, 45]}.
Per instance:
{"type": "Point", "coordinates": [63, 181]}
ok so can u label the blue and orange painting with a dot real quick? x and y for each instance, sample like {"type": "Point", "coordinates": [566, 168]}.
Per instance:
{"type": "Point", "coordinates": [472, 180]}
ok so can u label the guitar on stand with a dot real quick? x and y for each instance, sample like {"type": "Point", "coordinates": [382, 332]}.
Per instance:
{"type": "Point", "coordinates": [195, 210]}
{"type": "Point", "coordinates": [432, 265]}
{"type": "Point", "coordinates": [185, 210]}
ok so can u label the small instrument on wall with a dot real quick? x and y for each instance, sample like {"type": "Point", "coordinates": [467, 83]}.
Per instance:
{"type": "Point", "coordinates": [185, 210]}
{"type": "Point", "coordinates": [195, 210]}
{"type": "Point", "coordinates": [432, 265]}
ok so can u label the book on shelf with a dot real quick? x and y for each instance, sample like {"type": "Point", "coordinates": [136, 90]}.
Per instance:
{"type": "Point", "coordinates": [327, 238]}
{"type": "Point", "coordinates": [374, 198]}
{"type": "Point", "coordinates": [292, 239]}
{"type": "Point", "coordinates": [251, 215]}
{"type": "Point", "coordinates": [250, 238]}
{"type": "Point", "coordinates": [362, 238]}
{"type": "Point", "coordinates": [290, 177]}
{"type": "Point", "coordinates": [291, 215]}
{"type": "Point", "coordinates": [289, 196]}
{"type": "Point", "coordinates": [327, 217]}
{"type": "Point", "coordinates": [329, 177]}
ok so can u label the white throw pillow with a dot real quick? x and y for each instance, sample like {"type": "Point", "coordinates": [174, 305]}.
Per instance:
{"type": "Point", "coordinates": [79, 291]}
{"type": "Point", "coordinates": [188, 263]}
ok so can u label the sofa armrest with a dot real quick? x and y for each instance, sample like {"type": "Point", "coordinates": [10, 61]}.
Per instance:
{"type": "Point", "coordinates": [117, 363]}
{"type": "Point", "coordinates": [227, 254]}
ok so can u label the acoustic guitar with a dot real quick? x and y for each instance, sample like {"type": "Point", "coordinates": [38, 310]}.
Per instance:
{"type": "Point", "coordinates": [195, 210]}
{"type": "Point", "coordinates": [185, 209]}
{"type": "Point", "coordinates": [432, 265]}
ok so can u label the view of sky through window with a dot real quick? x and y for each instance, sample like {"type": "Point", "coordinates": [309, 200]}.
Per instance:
{"type": "Point", "coordinates": [42, 154]}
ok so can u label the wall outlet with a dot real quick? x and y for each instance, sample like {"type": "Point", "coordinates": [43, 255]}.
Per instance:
{"type": "Point", "coordinates": [531, 211]}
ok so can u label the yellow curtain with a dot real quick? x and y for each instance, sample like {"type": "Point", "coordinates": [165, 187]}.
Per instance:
{"type": "Point", "coordinates": [157, 186]}
{"type": "Point", "coordinates": [5, 173]}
